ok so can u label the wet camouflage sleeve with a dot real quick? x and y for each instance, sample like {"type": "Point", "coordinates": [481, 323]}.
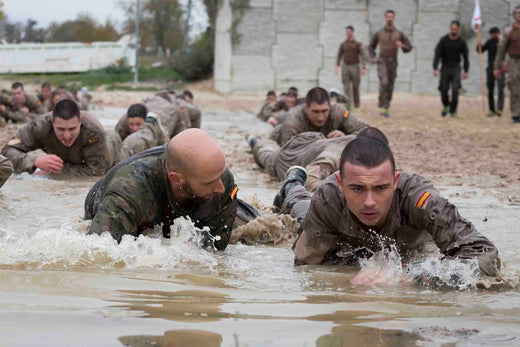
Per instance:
{"type": "Point", "coordinates": [17, 149]}
{"type": "Point", "coordinates": [317, 239]}
{"type": "Point", "coordinates": [6, 169]}
{"type": "Point", "coordinates": [122, 128]}
{"type": "Point", "coordinates": [349, 124]}
{"type": "Point", "coordinates": [454, 235]}
{"type": "Point", "coordinates": [94, 159]}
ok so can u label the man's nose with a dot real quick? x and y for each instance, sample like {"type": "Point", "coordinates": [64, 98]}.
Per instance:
{"type": "Point", "coordinates": [369, 200]}
{"type": "Point", "coordinates": [219, 187]}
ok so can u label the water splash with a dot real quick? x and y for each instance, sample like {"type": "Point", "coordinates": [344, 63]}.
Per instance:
{"type": "Point", "coordinates": [70, 247]}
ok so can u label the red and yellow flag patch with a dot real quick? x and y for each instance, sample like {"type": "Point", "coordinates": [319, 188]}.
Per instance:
{"type": "Point", "coordinates": [421, 202]}
{"type": "Point", "coordinates": [345, 115]}
{"type": "Point", "coordinates": [234, 192]}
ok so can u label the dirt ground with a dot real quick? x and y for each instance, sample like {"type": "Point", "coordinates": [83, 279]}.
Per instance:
{"type": "Point", "coordinates": [470, 150]}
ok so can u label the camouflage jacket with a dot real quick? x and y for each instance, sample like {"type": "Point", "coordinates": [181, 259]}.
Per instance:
{"type": "Point", "coordinates": [6, 169]}
{"type": "Point", "coordinates": [330, 233]}
{"type": "Point", "coordinates": [86, 157]}
{"type": "Point", "coordinates": [169, 112]}
{"type": "Point", "coordinates": [135, 195]}
{"type": "Point", "coordinates": [16, 114]}
{"type": "Point", "coordinates": [296, 122]}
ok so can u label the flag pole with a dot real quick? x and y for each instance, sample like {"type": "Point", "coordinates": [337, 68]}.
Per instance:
{"type": "Point", "coordinates": [481, 74]}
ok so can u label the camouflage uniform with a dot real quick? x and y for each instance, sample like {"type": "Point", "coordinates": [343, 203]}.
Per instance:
{"type": "Point", "coordinates": [510, 43]}
{"type": "Point", "coordinates": [6, 169]}
{"type": "Point", "coordinates": [136, 195]}
{"type": "Point", "coordinates": [312, 150]}
{"type": "Point", "coordinates": [14, 110]}
{"type": "Point", "coordinates": [297, 122]}
{"type": "Point", "coordinates": [277, 110]}
{"type": "Point", "coordinates": [263, 115]}
{"type": "Point", "coordinates": [331, 234]}
{"type": "Point", "coordinates": [387, 61]}
{"type": "Point", "coordinates": [190, 113]}
{"type": "Point", "coordinates": [352, 57]}
{"type": "Point", "coordinates": [169, 112]}
{"type": "Point", "coordinates": [86, 157]}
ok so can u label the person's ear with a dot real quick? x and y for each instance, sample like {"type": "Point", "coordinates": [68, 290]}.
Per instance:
{"type": "Point", "coordinates": [397, 175]}
{"type": "Point", "coordinates": [339, 181]}
{"type": "Point", "coordinates": [175, 178]}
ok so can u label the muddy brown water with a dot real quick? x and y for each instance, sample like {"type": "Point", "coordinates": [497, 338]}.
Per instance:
{"type": "Point", "coordinates": [59, 287]}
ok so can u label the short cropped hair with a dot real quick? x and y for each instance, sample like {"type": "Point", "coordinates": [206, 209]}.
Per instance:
{"type": "Point", "coordinates": [390, 11]}
{"type": "Point", "coordinates": [187, 93]}
{"type": "Point", "coordinates": [46, 85]}
{"type": "Point", "coordinates": [271, 92]}
{"type": "Point", "coordinates": [350, 27]}
{"type": "Point", "coordinates": [291, 94]}
{"type": "Point", "coordinates": [494, 30]}
{"type": "Point", "coordinates": [456, 22]}
{"type": "Point", "coordinates": [293, 89]}
{"type": "Point", "coordinates": [516, 8]}
{"type": "Point", "coordinates": [66, 109]}
{"type": "Point", "coordinates": [17, 85]}
{"type": "Point", "coordinates": [367, 152]}
{"type": "Point", "coordinates": [374, 133]}
{"type": "Point", "coordinates": [62, 87]}
{"type": "Point", "coordinates": [317, 95]}
{"type": "Point", "coordinates": [137, 110]}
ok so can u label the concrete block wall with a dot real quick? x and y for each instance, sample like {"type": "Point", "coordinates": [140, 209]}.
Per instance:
{"type": "Point", "coordinates": [295, 42]}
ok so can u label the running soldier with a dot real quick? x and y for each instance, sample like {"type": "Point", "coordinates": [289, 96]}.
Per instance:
{"type": "Point", "coordinates": [510, 44]}
{"type": "Point", "coordinates": [390, 40]}
{"type": "Point", "coordinates": [352, 67]}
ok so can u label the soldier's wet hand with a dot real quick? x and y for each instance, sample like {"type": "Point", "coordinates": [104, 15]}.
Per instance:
{"type": "Point", "coordinates": [49, 163]}
{"type": "Point", "coordinates": [399, 44]}
{"type": "Point", "coordinates": [25, 109]}
{"type": "Point", "coordinates": [335, 133]}
{"type": "Point", "coordinates": [497, 73]}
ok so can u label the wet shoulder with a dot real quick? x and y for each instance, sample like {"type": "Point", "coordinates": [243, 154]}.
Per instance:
{"type": "Point", "coordinates": [412, 187]}
{"type": "Point", "coordinates": [38, 129]}
{"type": "Point", "coordinates": [229, 183]}
{"type": "Point", "coordinates": [328, 194]}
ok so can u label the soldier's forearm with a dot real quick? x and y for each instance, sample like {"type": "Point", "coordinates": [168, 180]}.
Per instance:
{"type": "Point", "coordinates": [82, 170]}
{"type": "Point", "coordinates": [22, 162]}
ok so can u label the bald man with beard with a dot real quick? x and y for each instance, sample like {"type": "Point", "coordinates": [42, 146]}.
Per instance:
{"type": "Point", "coordinates": [186, 178]}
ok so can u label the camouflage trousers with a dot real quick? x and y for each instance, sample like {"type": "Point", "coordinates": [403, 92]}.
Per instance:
{"type": "Point", "coordinates": [513, 82]}
{"type": "Point", "coordinates": [387, 72]}
{"type": "Point", "coordinates": [265, 152]}
{"type": "Point", "coordinates": [296, 203]}
{"type": "Point", "coordinates": [145, 138]}
{"type": "Point", "coordinates": [351, 78]}
{"type": "Point", "coordinates": [6, 169]}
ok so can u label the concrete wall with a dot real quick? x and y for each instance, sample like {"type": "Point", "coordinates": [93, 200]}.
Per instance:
{"type": "Point", "coordinates": [294, 42]}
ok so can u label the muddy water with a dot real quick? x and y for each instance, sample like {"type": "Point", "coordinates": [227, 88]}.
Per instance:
{"type": "Point", "coordinates": [59, 287]}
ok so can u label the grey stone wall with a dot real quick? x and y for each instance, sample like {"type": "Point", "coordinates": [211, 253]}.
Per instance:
{"type": "Point", "coordinates": [295, 42]}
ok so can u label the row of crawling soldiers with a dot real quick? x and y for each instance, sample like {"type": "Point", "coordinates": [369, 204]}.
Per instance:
{"type": "Point", "coordinates": [363, 205]}
{"type": "Point", "coordinates": [20, 107]}
{"type": "Point", "coordinates": [76, 144]}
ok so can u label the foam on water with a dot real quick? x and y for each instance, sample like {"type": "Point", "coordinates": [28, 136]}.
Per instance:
{"type": "Point", "coordinates": [68, 247]}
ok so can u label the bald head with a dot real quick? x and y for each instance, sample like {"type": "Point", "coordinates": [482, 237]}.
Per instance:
{"type": "Point", "coordinates": [194, 153]}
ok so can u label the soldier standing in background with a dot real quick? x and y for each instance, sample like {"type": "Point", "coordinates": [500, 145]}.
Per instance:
{"type": "Point", "coordinates": [449, 50]}
{"type": "Point", "coordinates": [510, 44]}
{"type": "Point", "coordinates": [491, 47]}
{"type": "Point", "coordinates": [390, 40]}
{"type": "Point", "coordinates": [352, 67]}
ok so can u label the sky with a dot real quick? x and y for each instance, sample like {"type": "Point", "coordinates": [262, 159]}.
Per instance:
{"type": "Point", "coordinates": [47, 11]}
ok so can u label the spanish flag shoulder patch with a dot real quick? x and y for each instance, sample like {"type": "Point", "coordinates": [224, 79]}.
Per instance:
{"type": "Point", "coordinates": [93, 140]}
{"type": "Point", "coordinates": [345, 115]}
{"type": "Point", "coordinates": [234, 192]}
{"type": "Point", "coordinates": [421, 202]}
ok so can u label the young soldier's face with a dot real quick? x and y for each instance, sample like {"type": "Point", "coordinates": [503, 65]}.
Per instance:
{"type": "Point", "coordinates": [350, 34]}
{"type": "Point", "coordinates": [389, 19]}
{"type": "Point", "coordinates": [516, 15]}
{"type": "Point", "coordinates": [135, 123]}
{"type": "Point", "coordinates": [369, 192]}
{"type": "Point", "coordinates": [317, 113]}
{"type": "Point", "coordinates": [271, 99]}
{"type": "Point", "coordinates": [289, 101]}
{"type": "Point", "coordinates": [454, 30]}
{"type": "Point", "coordinates": [46, 93]}
{"type": "Point", "coordinates": [18, 95]}
{"type": "Point", "coordinates": [67, 130]}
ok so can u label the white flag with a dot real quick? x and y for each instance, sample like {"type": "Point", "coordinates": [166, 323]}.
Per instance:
{"type": "Point", "coordinates": [477, 18]}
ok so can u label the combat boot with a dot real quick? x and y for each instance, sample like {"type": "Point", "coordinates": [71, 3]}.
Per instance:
{"type": "Point", "coordinates": [295, 175]}
{"type": "Point", "coordinates": [251, 140]}
{"type": "Point", "coordinates": [155, 121]}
